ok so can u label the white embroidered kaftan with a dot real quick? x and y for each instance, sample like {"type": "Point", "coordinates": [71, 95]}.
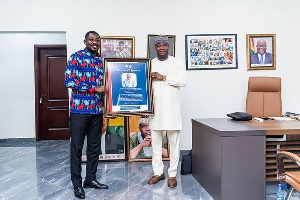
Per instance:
{"type": "Point", "coordinates": [166, 94]}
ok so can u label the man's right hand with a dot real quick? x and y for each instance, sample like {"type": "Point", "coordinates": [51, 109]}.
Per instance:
{"type": "Point", "coordinates": [101, 89]}
{"type": "Point", "coordinates": [147, 141]}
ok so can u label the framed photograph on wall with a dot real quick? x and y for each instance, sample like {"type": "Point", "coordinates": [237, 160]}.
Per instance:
{"type": "Point", "coordinates": [129, 87]}
{"type": "Point", "coordinates": [211, 51]}
{"type": "Point", "coordinates": [139, 140]}
{"type": "Point", "coordinates": [261, 51]}
{"type": "Point", "coordinates": [113, 140]}
{"type": "Point", "coordinates": [151, 52]}
{"type": "Point", "coordinates": [117, 46]}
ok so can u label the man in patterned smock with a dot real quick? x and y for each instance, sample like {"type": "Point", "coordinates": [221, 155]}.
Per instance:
{"type": "Point", "coordinates": [84, 76]}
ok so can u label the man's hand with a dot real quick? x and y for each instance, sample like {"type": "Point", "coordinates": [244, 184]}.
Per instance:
{"type": "Point", "coordinates": [114, 116]}
{"type": "Point", "coordinates": [101, 89]}
{"type": "Point", "coordinates": [147, 141]}
{"type": "Point", "coordinates": [157, 76]}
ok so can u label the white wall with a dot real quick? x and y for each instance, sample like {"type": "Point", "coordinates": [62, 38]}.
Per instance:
{"type": "Point", "coordinates": [17, 108]}
{"type": "Point", "coordinates": [212, 93]}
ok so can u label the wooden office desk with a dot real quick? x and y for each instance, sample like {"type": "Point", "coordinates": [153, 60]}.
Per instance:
{"type": "Point", "coordinates": [232, 159]}
{"type": "Point", "coordinates": [274, 127]}
{"type": "Point", "coordinates": [229, 159]}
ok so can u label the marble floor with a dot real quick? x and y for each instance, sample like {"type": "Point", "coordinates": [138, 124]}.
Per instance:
{"type": "Point", "coordinates": [30, 170]}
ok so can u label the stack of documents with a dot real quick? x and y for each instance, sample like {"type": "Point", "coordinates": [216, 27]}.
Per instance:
{"type": "Point", "coordinates": [282, 118]}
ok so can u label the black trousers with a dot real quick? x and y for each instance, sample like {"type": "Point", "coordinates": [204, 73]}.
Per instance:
{"type": "Point", "coordinates": [80, 126]}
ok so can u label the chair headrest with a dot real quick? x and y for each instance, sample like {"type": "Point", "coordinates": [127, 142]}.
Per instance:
{"type": "Point", "coordinates": [264, 84]}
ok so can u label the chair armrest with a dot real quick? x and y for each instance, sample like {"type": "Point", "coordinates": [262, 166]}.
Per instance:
{"type": "Point", "coordinates": [289, 155]}
{"type": "Point", "coordinates": [280, 164]}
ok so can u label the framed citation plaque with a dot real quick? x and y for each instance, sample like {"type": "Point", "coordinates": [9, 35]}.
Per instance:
{"type": "Point", "coordinates": [129, 87]}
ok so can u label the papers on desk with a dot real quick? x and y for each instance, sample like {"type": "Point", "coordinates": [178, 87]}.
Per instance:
{"type": "Point", "coordinates": [292, 115]}
{"type": "Point", "coordinates": [295, 117]}
{"type": "Point", "coordinates": [258, 119]}
{"type": "Point", "coordinates": [286, 118]}
{"type": "Point", "coordinates": [282, 118]}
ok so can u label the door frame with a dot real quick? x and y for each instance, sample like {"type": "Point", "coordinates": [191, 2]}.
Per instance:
{"type": "Point", "coordinates": [37, 77]}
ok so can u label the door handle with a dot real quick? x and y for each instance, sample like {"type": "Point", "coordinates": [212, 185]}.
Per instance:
{"type": "Point", "coordinates": [41, 97]}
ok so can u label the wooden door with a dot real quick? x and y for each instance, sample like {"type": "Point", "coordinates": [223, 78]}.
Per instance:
{"type": "Point", "coordinates": [52, 102]}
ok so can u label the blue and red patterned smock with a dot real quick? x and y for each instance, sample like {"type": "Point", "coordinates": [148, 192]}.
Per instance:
{"type": "Point", "coordinates": [83, 73]}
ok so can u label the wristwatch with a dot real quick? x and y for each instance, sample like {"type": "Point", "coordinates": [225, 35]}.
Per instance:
{"type": "Point", "coordinates": [164, 78]}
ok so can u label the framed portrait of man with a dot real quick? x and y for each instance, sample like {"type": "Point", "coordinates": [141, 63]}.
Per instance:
{"type": "Point", "coordinates": [151, 52]}
{"type": "Point", "coordinates": [261, 51]}
{"type": "Point", "coordinates": [117, 46]}
{"type": "Point", "coordinates": [139, 141]}
{"type": "Point", "coordinates": [129, 87]}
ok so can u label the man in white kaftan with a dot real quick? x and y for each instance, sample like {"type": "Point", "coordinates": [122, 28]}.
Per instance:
{"type": "Point", "coordinates": [168, 76]}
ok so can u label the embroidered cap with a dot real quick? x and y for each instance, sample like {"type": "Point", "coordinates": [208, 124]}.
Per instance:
{"type": "Point", "coordinates": [143, 120]}
{"type": "Point", "coordinates": [161, 39]}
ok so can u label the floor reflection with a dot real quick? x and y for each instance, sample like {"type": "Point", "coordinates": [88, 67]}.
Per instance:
{"type": "Point", "coordinates": [30, 170]}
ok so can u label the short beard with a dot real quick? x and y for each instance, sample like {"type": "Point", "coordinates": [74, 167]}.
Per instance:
{"type": "Point", "coordinates": [93, 51]}
{"type": "Point", "coordinates": [163, 57]}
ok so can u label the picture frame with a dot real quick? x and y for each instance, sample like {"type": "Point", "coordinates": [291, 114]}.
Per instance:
{"type": "Point", "coordinates": [211, 51]}
{"type": "Point", "coordinates": [113, 140]}
{"type": "Point", "coordinates": [151, 52]}
{"type": "Point", "coordinates": [137, 149]}
{"type": "Point", "coordinates": [261, 44]}
{"type": "Point", "coordinates": [129, 87]}
{"type": "Point", "coordinates": [117, 46]}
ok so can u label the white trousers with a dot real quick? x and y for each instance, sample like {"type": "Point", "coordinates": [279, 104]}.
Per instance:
{"type": "Point", "coordinates": [157, 163]}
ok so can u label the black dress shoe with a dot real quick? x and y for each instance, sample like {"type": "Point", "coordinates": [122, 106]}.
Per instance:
{"type": "Point", "coordinates": [94, 184]}
{"type": "Point", "coordinates": [79, 192]}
